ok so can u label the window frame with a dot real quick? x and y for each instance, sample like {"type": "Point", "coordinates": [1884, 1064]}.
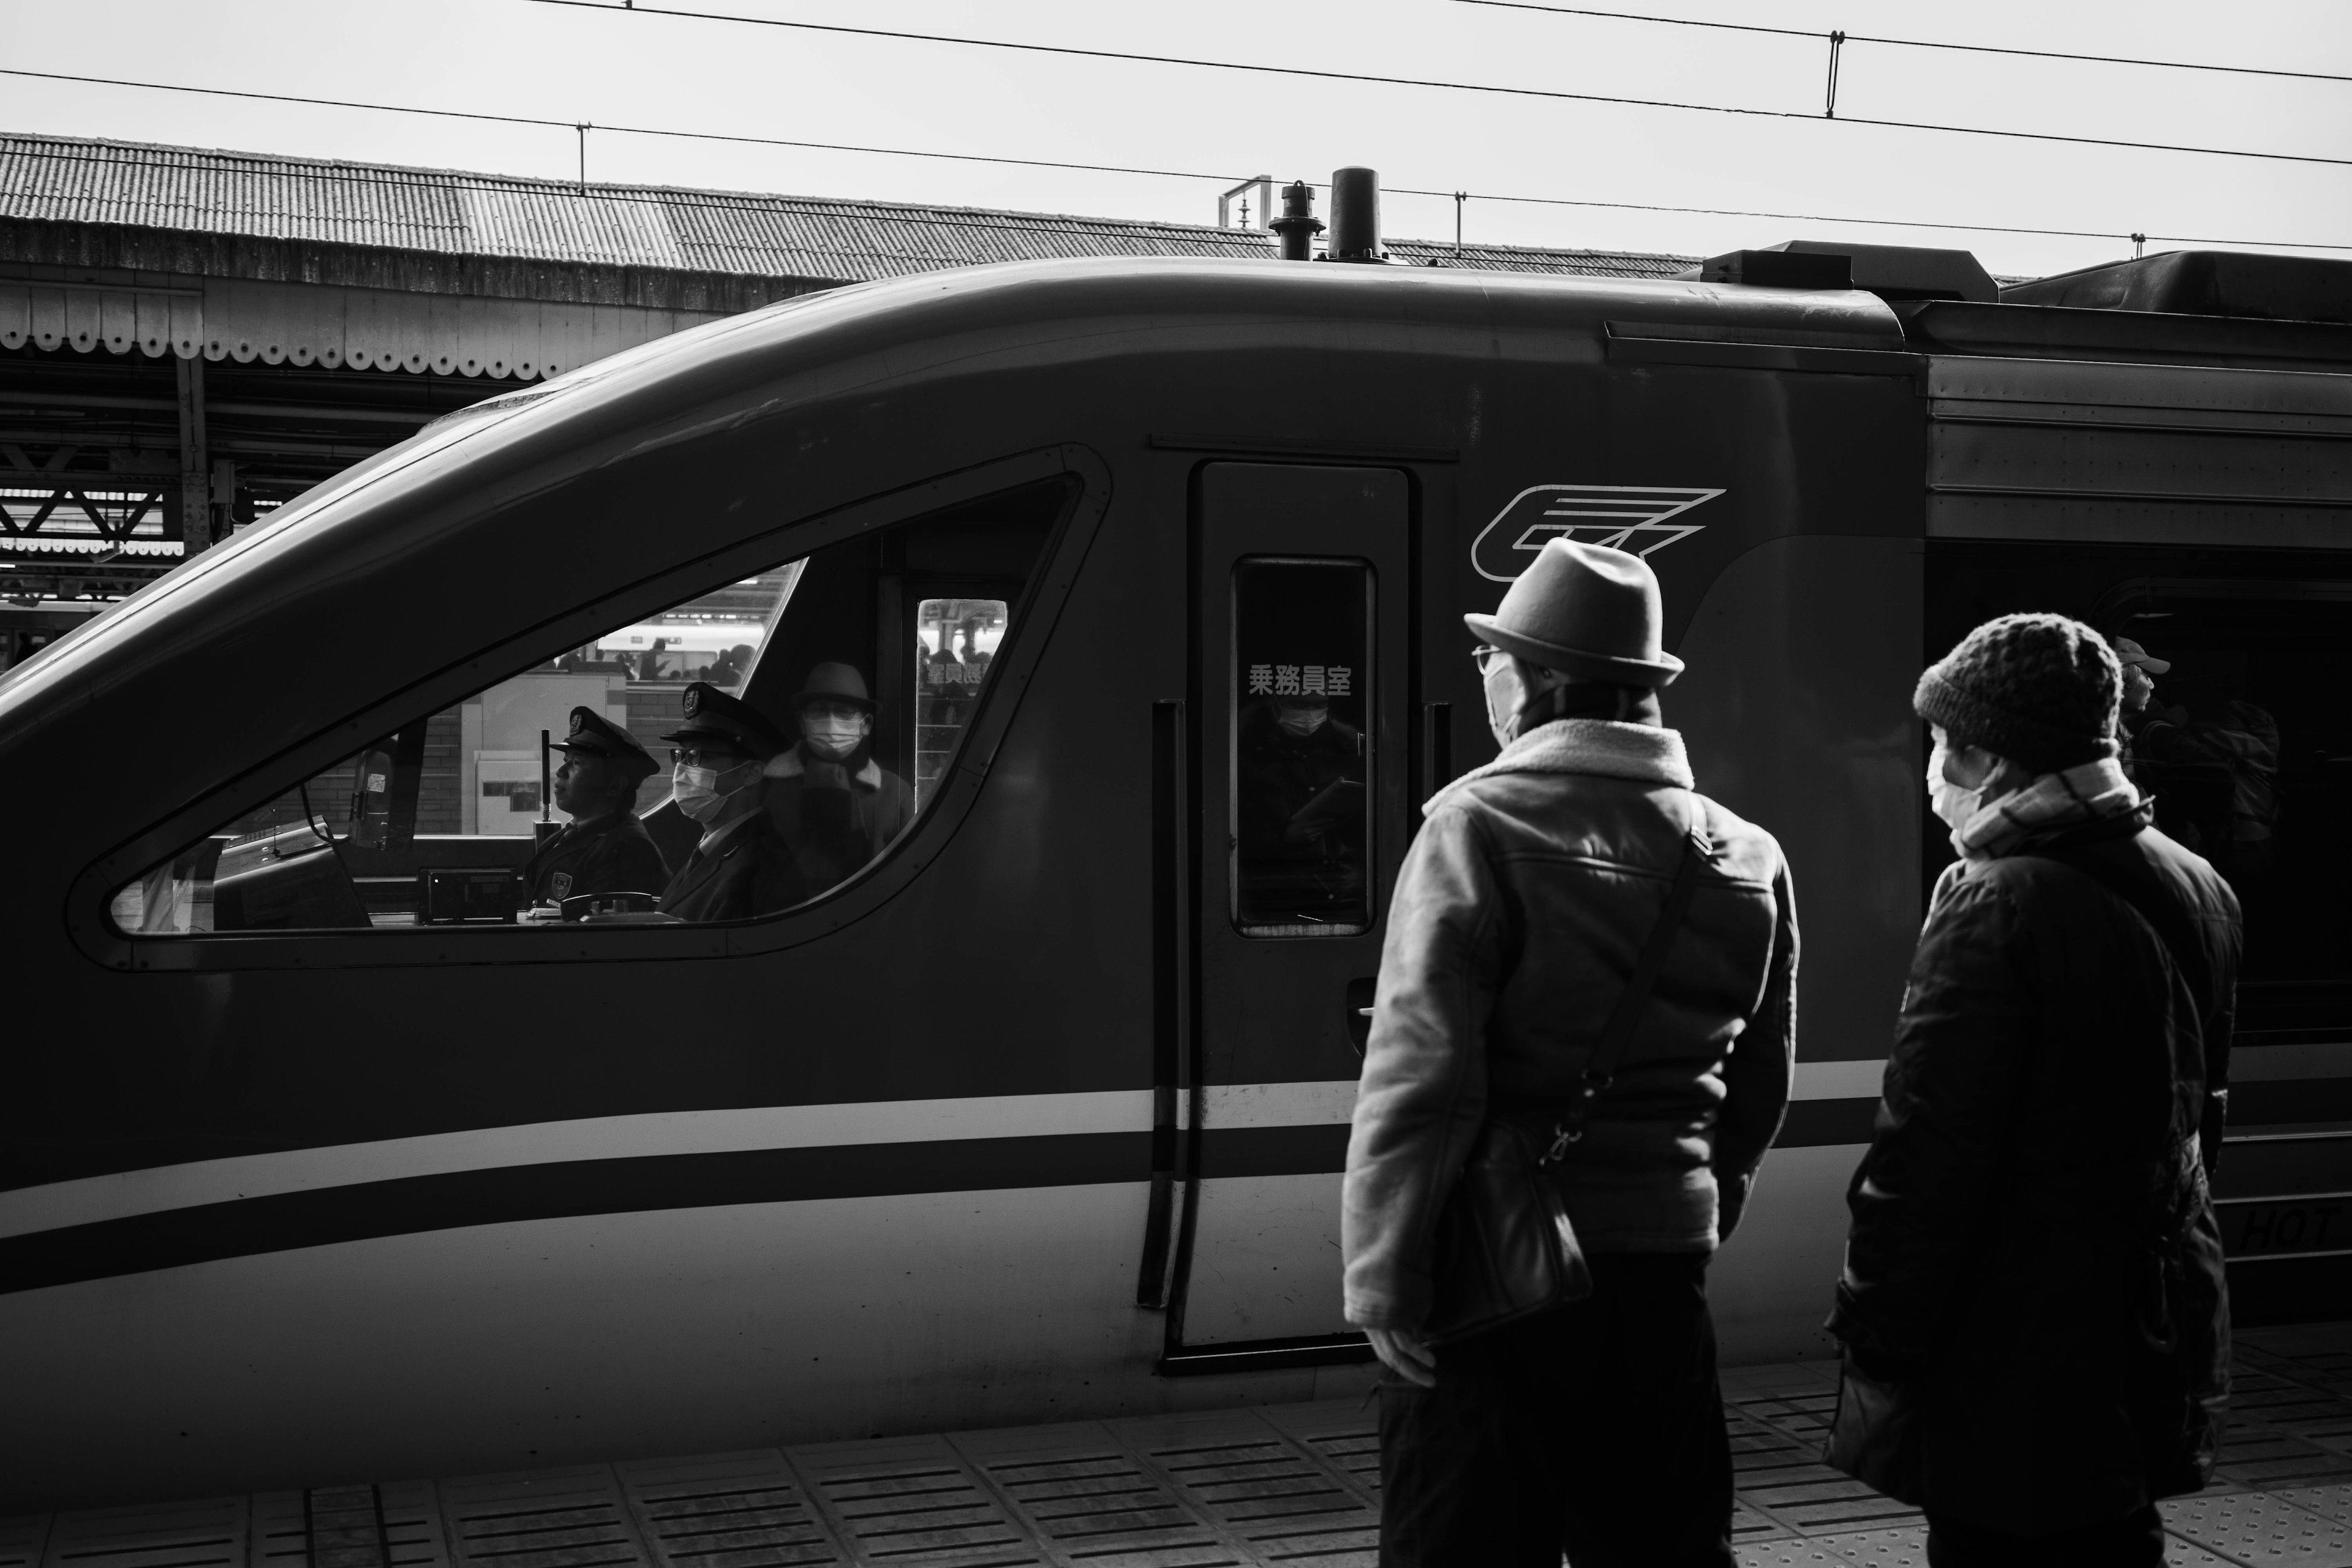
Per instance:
{"type": "Point", "coordinates": [88, 901]}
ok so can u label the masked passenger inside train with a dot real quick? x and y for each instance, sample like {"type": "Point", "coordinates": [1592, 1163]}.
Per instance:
{"type": "Point", "coordinates": [1301, 808]}
{"type": "Point", "coordinates": [795, 722]}
{"type": "Point", "coordinates": [834, 806]}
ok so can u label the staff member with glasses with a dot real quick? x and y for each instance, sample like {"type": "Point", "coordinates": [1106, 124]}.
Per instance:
{"type": "Point", "coordinates": [741, 868]}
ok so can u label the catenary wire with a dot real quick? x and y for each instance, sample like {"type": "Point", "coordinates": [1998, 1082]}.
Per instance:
{"type": "Point", "coordinates": [1909, 43]}
{"type": "Point", "coordinates": [702, 199]}
{"type": "Point", "coordinates": [1310, 72]}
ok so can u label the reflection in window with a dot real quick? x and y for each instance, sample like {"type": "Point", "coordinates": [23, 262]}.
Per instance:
{"type": "Point", "coordinates": [955, 639]}
{"type": "Point", "coordinates": [1301, 689]}
{"type": "Point", "coordinates": [782, 708]}
{"type": "Point", "coordinates": [2245, 740]}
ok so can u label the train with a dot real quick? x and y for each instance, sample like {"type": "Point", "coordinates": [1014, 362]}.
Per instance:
{"type": "Point", "coordinates": [321, 1162]}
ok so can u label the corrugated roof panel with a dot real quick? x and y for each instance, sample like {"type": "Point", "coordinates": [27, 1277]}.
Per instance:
{"type": "Point", "coordinates": [601, 226]}
{"type": "Point", "coordinates": [67, 180]}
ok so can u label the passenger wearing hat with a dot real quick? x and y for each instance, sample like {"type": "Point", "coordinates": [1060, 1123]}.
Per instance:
{"type": "Point", "coordinates": [2139, 690]}
{"type": "Point", "coordinates": [2033, 1310]}
{"type": "Point", "coordinates": [604, 848]}
{"type": "Point", "coordinates": [1521, 913]}
{"type": "Point", "coordinates": [832, 802]}
{"type": "Point", "coordinates": [741, 868]}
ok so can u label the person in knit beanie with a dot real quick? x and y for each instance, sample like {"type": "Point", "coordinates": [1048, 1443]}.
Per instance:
{"type": "Point", "coordinates": [2026, 713]}
{"type": "Point", "coordinates": [2067, 1016]}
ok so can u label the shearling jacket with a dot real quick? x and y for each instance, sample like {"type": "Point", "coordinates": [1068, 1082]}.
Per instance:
{"type": "Point", "coordinates": [1519, 913]}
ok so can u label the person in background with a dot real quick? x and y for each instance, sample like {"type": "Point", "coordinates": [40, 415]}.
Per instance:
{"type": "Point", "coordinates": [2033, 1310]}
{"type": "Point", "coordinates": [834, 806]}
{"type": "Point", "coordinates": [741, 868]}
{"type": "Point", "coordinates": [1300, 802]}
{"type": "Point", "coordinates": [604, 848]}
{"type": "Point", "coordinates": [1595, 1428]}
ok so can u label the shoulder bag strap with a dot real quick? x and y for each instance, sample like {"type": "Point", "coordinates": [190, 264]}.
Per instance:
{"type": "Point", "coordinates": [1618, 1032]}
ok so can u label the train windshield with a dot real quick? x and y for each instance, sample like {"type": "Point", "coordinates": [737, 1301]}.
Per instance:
{"type": "Point", "coordinates": [726, 757]}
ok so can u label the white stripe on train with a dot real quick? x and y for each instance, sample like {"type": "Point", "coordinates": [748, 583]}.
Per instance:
{"type": "Point", "coordinates": [90, 1199]}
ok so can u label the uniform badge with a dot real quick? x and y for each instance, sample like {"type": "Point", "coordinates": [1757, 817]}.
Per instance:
{"type": "Point", "coordinates": [560, 884]}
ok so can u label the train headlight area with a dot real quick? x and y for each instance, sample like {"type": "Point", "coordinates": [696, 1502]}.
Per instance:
{"type": "Point", "coordinates": [821, 875]}
{"type": "Point", "coordinates": [1267, 1487]}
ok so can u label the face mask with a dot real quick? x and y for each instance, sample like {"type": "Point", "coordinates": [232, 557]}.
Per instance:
{"type": "Point", "coordinates": [832, 736]}
{"type": "Point", "coordinates": [697, 792]}
{"type": "Point", "coordinates": [1301, 722]}
{"type": "Point", "coordinates": [1503, 695]}
{"type": "Point", "coordinates": [1950, 802]}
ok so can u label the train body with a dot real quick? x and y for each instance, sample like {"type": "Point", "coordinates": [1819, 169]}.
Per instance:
{"type": "Point", "coordinates": [318, 1165]}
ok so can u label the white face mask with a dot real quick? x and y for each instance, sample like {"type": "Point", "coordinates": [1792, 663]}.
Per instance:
{"type": "Point", "coordinates": [1301, 721]}
{"type": "Point", "coordinates": [834, 736]}
{"type": "Point", "coordinates": [1503, 695]}
{"type": "Point", "coordinates": [1950, 802]}
{"type": "Point", "coordinates": [699, 793]}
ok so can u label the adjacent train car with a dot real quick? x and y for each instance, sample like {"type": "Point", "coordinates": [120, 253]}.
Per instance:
{"type": "Point", "coordinates": [321, 1164]}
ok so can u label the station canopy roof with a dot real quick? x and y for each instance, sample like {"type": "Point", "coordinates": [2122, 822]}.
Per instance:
{"type": "Point", "coordinates": [819, 240]}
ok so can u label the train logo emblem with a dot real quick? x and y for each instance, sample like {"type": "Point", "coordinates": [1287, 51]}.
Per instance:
{"type": "Point", "coordinates": [1643, 519]}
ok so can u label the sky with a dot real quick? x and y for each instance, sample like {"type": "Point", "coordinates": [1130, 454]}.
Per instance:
{"type": "Point", "coordinates": [613, 66]}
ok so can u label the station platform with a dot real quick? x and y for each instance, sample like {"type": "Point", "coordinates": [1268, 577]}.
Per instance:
{"type": "Point", "coordinates": [1295, 1484]}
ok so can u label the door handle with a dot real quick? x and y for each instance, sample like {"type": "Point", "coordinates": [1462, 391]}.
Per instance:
{"type": "Point", "coordinates": [1359, 1012]}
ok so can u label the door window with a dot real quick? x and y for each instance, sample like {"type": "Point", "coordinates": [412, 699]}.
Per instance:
{"type": "Point", "coordinates": [1301, 687]}
{"type": "Point", "coordinates": [730, 757]}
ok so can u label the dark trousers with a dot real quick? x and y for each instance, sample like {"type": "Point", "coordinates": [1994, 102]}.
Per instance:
{"type": "Point", "coordinates": [2135, 1540]}
{"type": "Point", "coordinates": [1596, 1430]}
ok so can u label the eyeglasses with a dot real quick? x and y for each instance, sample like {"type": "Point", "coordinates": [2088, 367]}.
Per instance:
{"type": "Point", "coordinates": [1484, 656]}
{"type": "Point", "coordinates": [720, 757]}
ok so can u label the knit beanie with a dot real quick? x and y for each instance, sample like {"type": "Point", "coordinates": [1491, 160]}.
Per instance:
{"type": "Point", "coordinates": [2043, 691]}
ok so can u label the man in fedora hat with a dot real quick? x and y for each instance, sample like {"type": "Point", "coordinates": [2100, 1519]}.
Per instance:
{"type": "Point", "coordinates": [741, 868]}
{"type": "Point", "coordinates": [1594, 1428]}
{"type": "Point", "coordinates": [604, 848]}
{"type": "Point", "coordinates": [834, 806]}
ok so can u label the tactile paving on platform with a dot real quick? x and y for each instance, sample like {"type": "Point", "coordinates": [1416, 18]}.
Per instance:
{"type": "Point", "coordinates": [2254, 1528]}
{"type": "Point", "coordinates": [208, 1534]}
{"type": "Point", "coordinates": [913, 1500]}
{"type": "Point", "coordinates": [572, 1518]}
{"type": "Point", "coordinates": [1289, 1484]}
{"type": "Point", "coordinates": [724, 1510]}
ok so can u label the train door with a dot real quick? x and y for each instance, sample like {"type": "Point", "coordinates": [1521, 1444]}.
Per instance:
{"type": "Point", "coordinates": [1301, 609]}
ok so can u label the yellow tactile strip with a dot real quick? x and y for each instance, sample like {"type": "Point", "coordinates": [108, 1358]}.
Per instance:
{"type": "Point", "coordinates": [1291, 1485]}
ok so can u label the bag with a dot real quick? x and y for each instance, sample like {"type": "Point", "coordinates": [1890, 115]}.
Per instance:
{"type": "Point", "coordinates": [1506, 1249]}
{"type": "Point", "coordinates": [1875, 1437]}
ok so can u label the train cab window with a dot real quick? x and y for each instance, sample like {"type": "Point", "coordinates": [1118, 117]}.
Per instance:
{"type": "Point", "coordinates": [727, 757]}
{"type": "Point", "coordinates": [1301, 686]}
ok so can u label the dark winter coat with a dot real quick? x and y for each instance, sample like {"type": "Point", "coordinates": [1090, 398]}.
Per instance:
{"type": "Point", "coordinates": [748, 872]}
{"type": "Point", "coordinates": [1518, 912]}
{"type": "Point", "coordinates": [2034, 1257]}
{"type": "Point", "coordinates": [610, 854]}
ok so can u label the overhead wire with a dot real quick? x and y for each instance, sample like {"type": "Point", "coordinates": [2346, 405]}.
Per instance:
{"type": "Point", "coordinates": [1313, 73]}
{"type": "Point", "coordinates": [707, 199]}
{"type": "Point", "coordinates": [1909, 43]}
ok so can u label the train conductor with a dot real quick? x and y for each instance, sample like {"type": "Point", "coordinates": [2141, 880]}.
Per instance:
{"type": "Point", "coordinates": [604, 848]}
{"type": "Point", "coordinates": [741, 868]}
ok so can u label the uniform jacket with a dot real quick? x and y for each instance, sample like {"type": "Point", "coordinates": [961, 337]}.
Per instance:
{"type": "Point", "coordinates": [748, 872]}
{"type": "Point", "coordinates": [2034, 1253]}
{"type": "Point", "coordinates": [1519, 912]}
{"type": "Point", "coordinates": [832, 837]}
{"type": "Point", "coordinates": [610, 854]}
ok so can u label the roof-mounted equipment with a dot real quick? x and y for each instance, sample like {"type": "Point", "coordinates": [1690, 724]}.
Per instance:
{"type": "Point", "coordinates": [1893, 272]}
{"type": "Point", "coordinates": [1297, 225]}
{"type": "Point", "coordinates": [2203, 283]}
{"type": "Point", "coordinates": [1355, 215]}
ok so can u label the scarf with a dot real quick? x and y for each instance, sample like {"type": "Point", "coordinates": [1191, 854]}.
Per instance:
{"type": "Point", "coordinates": [2091, 792]}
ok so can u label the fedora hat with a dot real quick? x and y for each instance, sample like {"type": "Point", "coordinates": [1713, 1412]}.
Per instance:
{"type": "Point", "coordinates": [834, 682]}
{"type": "Point", "coordinates": [1586, 611]}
